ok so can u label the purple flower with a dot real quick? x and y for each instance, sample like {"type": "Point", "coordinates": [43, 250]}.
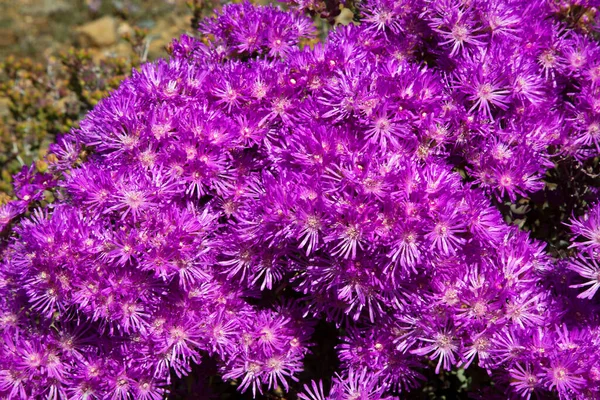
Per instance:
{"type": "Point", "coordinates": [588, 229]}
{"type": "Point", "coordinates": [588, 268]}
{"type": "Point", "coordinates": [562, 374]}
{"type": "Point", "coordinates": [525, 381]}
{"type": "Point", "coordinates": [10, 211]}
{"type": "Point", "coordinates": [442, 346]}
{"type": "Point", "coordinates": [240, 192]}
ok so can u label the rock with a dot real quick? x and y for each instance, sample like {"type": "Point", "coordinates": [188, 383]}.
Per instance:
{"type": "Point", "coordinates": [124, 29]}
{"type": "Point", "coordinates": [345, 17]}
{"type": "Point", "coordinates": [54, 7]}
{"type": "Point", "coordinates": [122, 50]}
{"type": "Point", "coordinates": [99, 33]}
{"type": "Point", "coordinates": [163, 33]}
{"type": "Point", "coordinates": [42, 7]}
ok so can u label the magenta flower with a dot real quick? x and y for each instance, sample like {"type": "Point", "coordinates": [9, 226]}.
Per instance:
{"type": "Point", "coordinates": [243, 194]}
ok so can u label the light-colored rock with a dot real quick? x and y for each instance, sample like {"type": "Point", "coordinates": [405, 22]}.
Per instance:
{"type": "Point", "coordinates": [41, 7]}
{"type": "Point", "coordinates": [122, 49]}
{"type": "Point", "coordinates": [99, 33]}
{"type": "Point", "coordinates": [163, 33]}
{"type": "Point", "coordinates": [159, 37]}
{"type": "Point", "coordinates": [124, 29]}
{"type": "Point", "coordinates": [345, 17]}
{"type": "Point", "coordinates": [55, 7]}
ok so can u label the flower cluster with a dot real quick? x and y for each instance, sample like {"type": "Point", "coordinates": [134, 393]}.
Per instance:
{"type": "Point", "coordinates": [586, 232]}
{"type": "Point", "coordinates": [233, 196]}
{"type": "Point", "coordinates": [244, 30]}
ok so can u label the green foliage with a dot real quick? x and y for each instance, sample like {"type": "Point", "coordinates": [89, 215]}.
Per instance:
{"type": "Point", "coordinates": [42, 101]}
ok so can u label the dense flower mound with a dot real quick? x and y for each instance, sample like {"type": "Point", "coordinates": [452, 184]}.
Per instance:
{"type": "Point", "coordinates": [586, 232]}
{"type": "Point", "coordinates": [222, 202]}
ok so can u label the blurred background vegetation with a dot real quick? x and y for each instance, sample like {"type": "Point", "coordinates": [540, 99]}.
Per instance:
{"type": "Point", "coordinates": [58, 58]}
